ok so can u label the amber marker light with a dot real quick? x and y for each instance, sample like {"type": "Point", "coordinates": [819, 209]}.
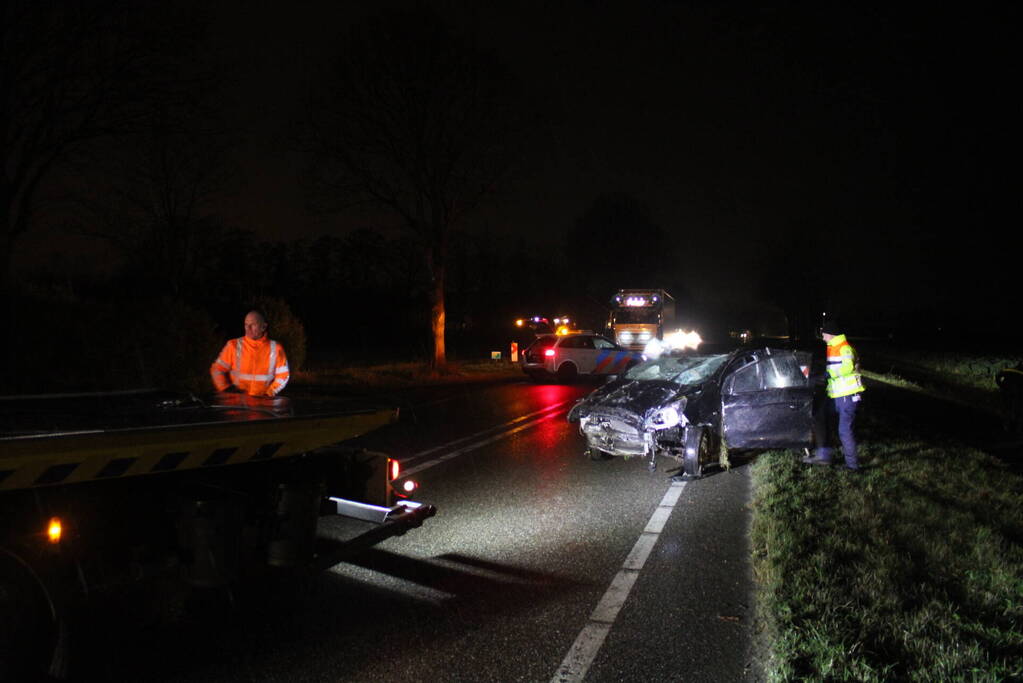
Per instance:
{"type": "Point", "coordinates": [54, 530]}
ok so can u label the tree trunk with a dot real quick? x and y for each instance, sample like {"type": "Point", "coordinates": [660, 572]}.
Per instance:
{"type": "Point", "coordinates": [437, 314]}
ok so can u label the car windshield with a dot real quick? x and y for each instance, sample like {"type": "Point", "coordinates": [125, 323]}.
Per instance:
{"type": "Point", "coordinates": [648, 316]}
{"type": "Point", "coordinates": [544, 342]}
{"type": "Point", "coordinates": [680, 370]}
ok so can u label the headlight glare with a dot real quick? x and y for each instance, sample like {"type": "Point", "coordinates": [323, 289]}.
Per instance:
{"type": "Point", "coordinates": [667, 417]}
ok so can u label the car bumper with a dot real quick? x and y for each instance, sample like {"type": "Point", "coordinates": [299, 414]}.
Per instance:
{"type": "Point", "coordinates": [615, 436]}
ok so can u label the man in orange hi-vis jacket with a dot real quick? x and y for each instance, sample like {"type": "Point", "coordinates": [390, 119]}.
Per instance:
{"type": "Point", "coordinates": [254, 364]}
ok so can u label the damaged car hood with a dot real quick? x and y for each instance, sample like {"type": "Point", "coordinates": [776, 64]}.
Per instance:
{"type": "Point", "coordinates": [629, 400]}
{"type": "Point", "coordinates": [649, 387]}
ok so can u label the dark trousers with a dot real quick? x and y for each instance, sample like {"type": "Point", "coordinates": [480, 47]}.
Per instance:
{"type": "Point", "coordinates": [843, 411]}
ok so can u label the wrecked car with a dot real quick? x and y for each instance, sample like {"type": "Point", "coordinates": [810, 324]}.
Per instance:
{"type": "Point", "coordinates": [695, 407]}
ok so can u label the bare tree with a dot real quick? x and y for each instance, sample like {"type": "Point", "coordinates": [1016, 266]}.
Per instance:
{"type": "Point", "coordinates": [71, 73]}
{"type": "Point", "coordinates": [154, 199]}
{"type": "Point", "coordinates": [413, 118]}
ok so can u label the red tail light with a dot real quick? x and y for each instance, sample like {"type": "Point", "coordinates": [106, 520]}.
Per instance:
{"type": "Point", "coordinates": [549, 353]}
{"type": "Point", "coordinates": [393, 469]}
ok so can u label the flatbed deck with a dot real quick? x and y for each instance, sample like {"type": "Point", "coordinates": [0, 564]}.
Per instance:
{"type": "Point", "coordinates": [53, 440]}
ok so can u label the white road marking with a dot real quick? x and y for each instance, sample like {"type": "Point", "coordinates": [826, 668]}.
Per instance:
{"type": "Point", "coordinates": [479, 444]}
{"type": "Point", "coordinates": [449, 444]}
{"type": "Point", "coordinates": [589, 641]}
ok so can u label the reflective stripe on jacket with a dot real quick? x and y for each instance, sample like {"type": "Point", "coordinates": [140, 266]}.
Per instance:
{"type": "Point", "coordinates": [843, 368]}
{"type": "Point", "coordinates": [257, 367]}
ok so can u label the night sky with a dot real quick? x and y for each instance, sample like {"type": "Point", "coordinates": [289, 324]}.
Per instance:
{"type": "Point", "coordinates": [742, 127]}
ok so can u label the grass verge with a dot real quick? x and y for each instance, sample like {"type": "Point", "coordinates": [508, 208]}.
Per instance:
{"type": "Point", "coordinates": [912, 570]}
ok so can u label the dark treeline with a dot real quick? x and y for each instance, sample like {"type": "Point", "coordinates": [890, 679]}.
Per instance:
{"type": "Point", "coordinates": [116, 137]}
{"type": "Point", "coordinates": [359, 297]}
{"type": "Point", "coordinates": [347, 298]}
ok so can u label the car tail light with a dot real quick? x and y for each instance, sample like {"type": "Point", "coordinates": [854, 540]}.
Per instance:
{"type": "Point", "coordinates": [393, 469]}
{"type": "Point", "coordinates": [549, 353]}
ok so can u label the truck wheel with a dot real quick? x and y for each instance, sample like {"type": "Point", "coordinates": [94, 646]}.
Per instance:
{"type": "Point", "coordinates": [567, 372]}
{"type": "Point", "coordinates": [28, 631]}
{"type": "Point", "coordinates": [697, 451]}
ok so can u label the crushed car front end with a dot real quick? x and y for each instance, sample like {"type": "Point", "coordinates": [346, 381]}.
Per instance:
{"type": "Point", "coordinates": [649, 410]}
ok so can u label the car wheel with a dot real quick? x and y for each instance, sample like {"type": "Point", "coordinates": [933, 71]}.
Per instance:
{"type": "Point", "coordinates": [567, 372]}
{"type": "Point", "coordinates": [29, 642]}
{"type": "Point", "coordinates": [697, 451]}
{"type": "Point", "coordinates": [596, 454]}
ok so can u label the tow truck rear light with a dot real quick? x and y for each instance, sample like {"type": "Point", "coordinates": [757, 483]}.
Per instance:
{"type": "Point", "coordinates": [393, 469]}
{"type": "Point", "coordinates": [409, 486]}
{"type": "Point", "coordinates": [54, 530]}
{"type": "Point", "coordinates": [549, 353]}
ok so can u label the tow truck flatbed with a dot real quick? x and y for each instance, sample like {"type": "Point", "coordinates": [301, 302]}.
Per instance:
{"type": "Point", "coordinates": [50, 440]}
{"type": "Point", "coordinates": [101, 490]}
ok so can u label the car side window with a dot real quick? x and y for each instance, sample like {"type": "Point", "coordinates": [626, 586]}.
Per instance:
{"type": "Point", "coordinates": [745, 379]}
{"type": "Point", "coordinates": [773, 372]}
{"type": "Point", "coordinates": [782, 372]}
{"type": "Point", "coordinates": [585, 342]}
{"type": "Point", "coordinates": [602, 343]}
{"type": "Point", "coordinates": [569, 343]}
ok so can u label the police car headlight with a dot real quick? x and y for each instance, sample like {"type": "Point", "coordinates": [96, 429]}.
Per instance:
{"type": "Point", "coordinates": [667, 417]}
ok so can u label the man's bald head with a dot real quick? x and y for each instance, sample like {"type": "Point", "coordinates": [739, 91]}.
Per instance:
{"type": "Point", "coordinates": [255, 325]}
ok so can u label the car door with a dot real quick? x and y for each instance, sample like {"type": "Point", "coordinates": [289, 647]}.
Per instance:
{"type": "Point", "coordinates": [579, 349]}
{"type": "Point", "coordinates": [767, 401]}
{"type": "Point", "coordinates": [611, 359]}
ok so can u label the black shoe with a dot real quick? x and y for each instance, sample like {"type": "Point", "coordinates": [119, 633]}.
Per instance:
{"type": "Point", "coordinates": [853, 470]}
{"type": "Point", "coordinates": [815, 461]}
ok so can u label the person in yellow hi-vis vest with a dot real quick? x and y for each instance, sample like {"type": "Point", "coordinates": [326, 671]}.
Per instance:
{"type": "Point", "coordinates": [254, 364]}
{"type": "Point", "coordinates": [845, 393]}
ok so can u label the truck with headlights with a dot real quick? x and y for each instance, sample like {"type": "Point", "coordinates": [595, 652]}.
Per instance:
{"type": "Point", "coordinates": [638, 316]}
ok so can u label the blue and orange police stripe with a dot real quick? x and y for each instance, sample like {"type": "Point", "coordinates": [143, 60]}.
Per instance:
{"type": "Point", "coordinates": [614, 362]}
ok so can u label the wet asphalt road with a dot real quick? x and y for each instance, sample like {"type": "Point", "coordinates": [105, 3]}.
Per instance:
{"type": "Point", "coordinates": [540, 565]}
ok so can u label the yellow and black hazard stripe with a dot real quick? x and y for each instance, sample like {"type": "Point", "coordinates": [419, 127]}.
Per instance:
{"type": "Point", "coordinates": [29, 462]}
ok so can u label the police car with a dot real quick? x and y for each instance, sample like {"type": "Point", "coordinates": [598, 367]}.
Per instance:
{"type": "Point", "coordinates": [578, 353]}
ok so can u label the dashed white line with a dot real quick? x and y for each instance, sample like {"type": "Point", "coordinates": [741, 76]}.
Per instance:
{"type": "Point", "coordinates": [589, 641]}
